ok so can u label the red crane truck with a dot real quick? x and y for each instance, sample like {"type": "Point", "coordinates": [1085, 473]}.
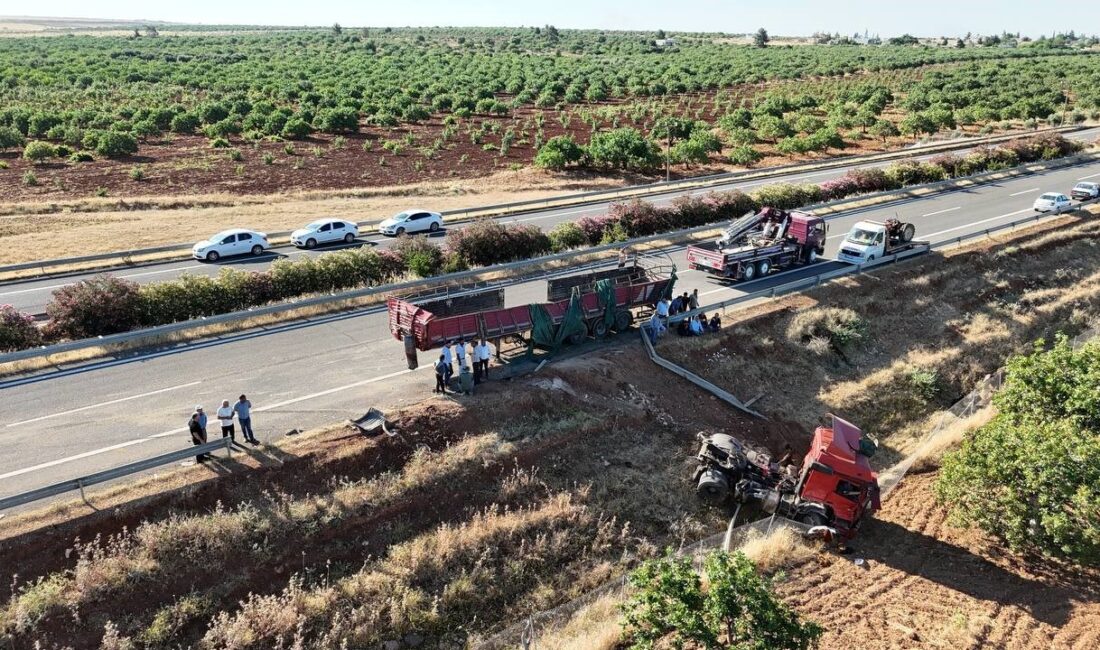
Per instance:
{"type": "Point", "coordinates": [759, 243]}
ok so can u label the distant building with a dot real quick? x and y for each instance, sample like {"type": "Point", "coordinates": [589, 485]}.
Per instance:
{"type": "Point", "coordinates": [665, 42]}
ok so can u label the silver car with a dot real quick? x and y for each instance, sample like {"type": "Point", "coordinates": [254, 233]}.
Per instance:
{"type": "Point", "coordinates": [411, 221]}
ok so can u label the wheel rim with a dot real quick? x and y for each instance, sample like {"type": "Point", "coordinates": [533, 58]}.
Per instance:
{"type": "Point", "coordinates": [400, 231]}
{"type": "Point", "coordinates": [599, 329]}
{"type": "Point", "coordinates": [765, 267]}
{"type": "Point", "coordinates": [212, 257]}
{"type": "Point", "coordinates": [813, 256]}
{"type": "Point", "coordinates": [257, 249]}
{"type": "Point", "coordinates": [348, 238]}
{"type": "Point", "coordinates": [434, 227]}
{"type": "Point", "coordinates": [310, 243]}
{"type": "Point", "coordinates": [749, 272]}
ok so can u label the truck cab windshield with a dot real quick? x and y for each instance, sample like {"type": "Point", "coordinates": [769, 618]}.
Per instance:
{"type": "Point", "coordinates": [860, 236]}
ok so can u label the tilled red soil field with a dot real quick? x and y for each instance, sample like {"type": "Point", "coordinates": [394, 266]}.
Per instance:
{"type": "Point", "coordinates": [926, 584]}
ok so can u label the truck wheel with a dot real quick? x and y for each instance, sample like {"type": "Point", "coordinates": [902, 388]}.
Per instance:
{"type": "Point", "coordinates": [812, 519]}
{"type": "Point", "coordinates": [907, 232]}
{"type": "Point", "coordinates": [597, 328]}
{"type": "Point", "coordinates": [623, 320]}
{"type": "Point", "coordinates": [713, 486]}
{"type": "Point", "coordinates": [811, 256]}
{"type": "Point", "coordinates": [748, 272]}
{"type": "Point", "coordinates": [763, 267]}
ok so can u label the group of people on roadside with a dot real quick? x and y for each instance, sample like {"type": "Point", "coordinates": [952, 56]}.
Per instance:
{"type": "Point", "coordinates": [241, 411]}
{"type": "Point", "coordinates": [472, 361]}
{"type": "Point", "coordinates": [696, 325]}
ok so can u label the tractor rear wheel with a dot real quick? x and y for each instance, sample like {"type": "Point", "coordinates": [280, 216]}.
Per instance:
{"type": "Point", "coordinates": [623, 320]}
{"type": "Point", "coordinates": [713, 487]}
{"type": "Point", "coordinates": [907, 232]}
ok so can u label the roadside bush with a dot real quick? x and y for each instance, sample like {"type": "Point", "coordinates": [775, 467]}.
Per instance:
{"type": "Point", "coordinates": [926, 383]}
{"type": "Point", "coordinates": [594, 227]}
{"type": "Point", "coordinates": [422, 258]}
{"type": "Point", "coordinates": [81, 156]}
{"type": "Point", "coordinates": [38, 151]}
{"type": "Point", "coordinates": [17, 330]}
{"type": "Point", "coordinates": [565, 236]}
{"type": "Point", "coordinates": [639, 218]}
{"type": "Point", "coordinates": [1031, 477]}
{"type": "Point", "coordinates": [487, 242]}
{"type": "Point", "coordinates": [100, 305]}
{"type": "Point", "coordinates": [693, 210]}
{"type": "Point", "coordinates": [839, 325]}
{"type": "Point", "coordinates": [911, 172]}
{"type": "Point", "coordinates": [787, 196]}
{"type": "Point", "coordinates": [838, 188]}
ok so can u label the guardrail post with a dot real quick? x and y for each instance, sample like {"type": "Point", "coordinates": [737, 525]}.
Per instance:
{"type": "Point", "coordinates": [80, 484]}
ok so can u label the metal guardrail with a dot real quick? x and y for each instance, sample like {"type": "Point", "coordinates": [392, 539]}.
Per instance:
{"type": "Point", "coordinates": [111, 474]}
{"type": "Point", "coordinates": [199, 323]}
{"type": "Point", "coordinates": [583, 198]}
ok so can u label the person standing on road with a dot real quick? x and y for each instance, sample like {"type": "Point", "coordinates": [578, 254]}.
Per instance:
{"type": "Point", "coordinates": [459, 354]}
{"type": "Point", "coordinates": [661, 312]}
{"type": "Point", "coordinates": [202, 419]}
{"type": "Point", "coordinates": [449, 360]}
{"type": "Point", "coordinates": [243, 407]}
{"type": "Point", "coordinates": [198, 436]}
{"type": "Point", "coordinates": [693, 301]}
{"type": "Point", "coordinates": [475, 363]}
{"type": "Point", "coordinates": [441, 370]}
{"type": "Point", "coordinates": [225, 416]}
{"type": "Point", "coordinates": [483, 356]}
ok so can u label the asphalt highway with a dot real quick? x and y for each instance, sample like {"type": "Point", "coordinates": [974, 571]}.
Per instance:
{"type": "Point", "coordinates": [32, 296]}
{"type": "Point", "coordinates": [70, 422]}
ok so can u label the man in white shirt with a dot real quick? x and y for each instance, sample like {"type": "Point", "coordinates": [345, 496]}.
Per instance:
{"type": "Point", "coordinates": [459, 354]}
{"type": "Point", "coordinates": [483, 355]}
{"type": "Point", "coordinates": [225, 417]}
{"type": "Point", "coordinates": [662, 311]}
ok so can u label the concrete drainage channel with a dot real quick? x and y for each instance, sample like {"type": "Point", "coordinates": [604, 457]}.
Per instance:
{"type": "Point", "coordinates": [131, 258]}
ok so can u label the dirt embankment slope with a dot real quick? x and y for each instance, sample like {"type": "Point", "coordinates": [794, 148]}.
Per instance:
{"type": "Point", "coordinates": [926, 584]}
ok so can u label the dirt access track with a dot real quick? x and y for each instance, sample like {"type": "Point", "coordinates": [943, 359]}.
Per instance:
{"type": "Point", "coordinates": [539, 488]}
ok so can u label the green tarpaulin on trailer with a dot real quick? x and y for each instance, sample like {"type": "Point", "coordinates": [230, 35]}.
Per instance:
{"type": "Point", "coordinates": [545, 334]}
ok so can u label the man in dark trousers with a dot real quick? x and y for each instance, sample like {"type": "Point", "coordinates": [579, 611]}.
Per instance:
{"type": "Point", "coordinates": [198, 436]}
{"type": "Point", "coordinates": [441, 370]}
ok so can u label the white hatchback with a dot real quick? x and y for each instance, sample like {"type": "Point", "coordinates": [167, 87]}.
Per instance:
{"type": "Point", "coordinates": [325, 231]}
{"type": "Point", "coordinates": [411, 221]}
{"type": "Point", "coordinates": [228, 243]}
{"type": "Point", "coordinates": [1052, 202]}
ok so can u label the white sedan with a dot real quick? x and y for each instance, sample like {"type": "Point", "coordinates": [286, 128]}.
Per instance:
{"type": "Point", "coordinates": [325, 231]}
{"type": "Point", "coordinates": [1052, 202]}
{"type": "Point", "coordinates": [411, 221]}
{"type": "Point", "coordinates": [231, 242]}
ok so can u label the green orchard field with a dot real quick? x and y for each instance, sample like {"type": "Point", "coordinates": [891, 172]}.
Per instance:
{"type": "Point", "coordinates": [262, 111]}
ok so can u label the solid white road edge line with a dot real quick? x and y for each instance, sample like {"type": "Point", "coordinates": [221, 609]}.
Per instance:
{"type": "Point", "coordinates": [138, 441]}
{"type": "Point", "coordinates": [975, 223]}
{"type": "Point", "coordinates": [100, 404]}
{"type": "Point", "coordinates": [1089, 176]}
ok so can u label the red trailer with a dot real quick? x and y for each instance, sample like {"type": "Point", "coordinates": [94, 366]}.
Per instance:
{"type": "Point", "coordinates": [577, 306]}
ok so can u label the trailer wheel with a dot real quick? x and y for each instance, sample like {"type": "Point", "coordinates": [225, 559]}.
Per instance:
{"type": "Point", "coordinates": [748, 272]}
{"type": "Point", "coordinates": [597, 328]}
{"type": "Point", "coordinates": [623, 320]}
{"type": "Point", "coordinates": [763, 267]}
{"type": "Point", "coordinates": [576, 338]}
{"type": "Point", "coordinates": [907, 232]}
